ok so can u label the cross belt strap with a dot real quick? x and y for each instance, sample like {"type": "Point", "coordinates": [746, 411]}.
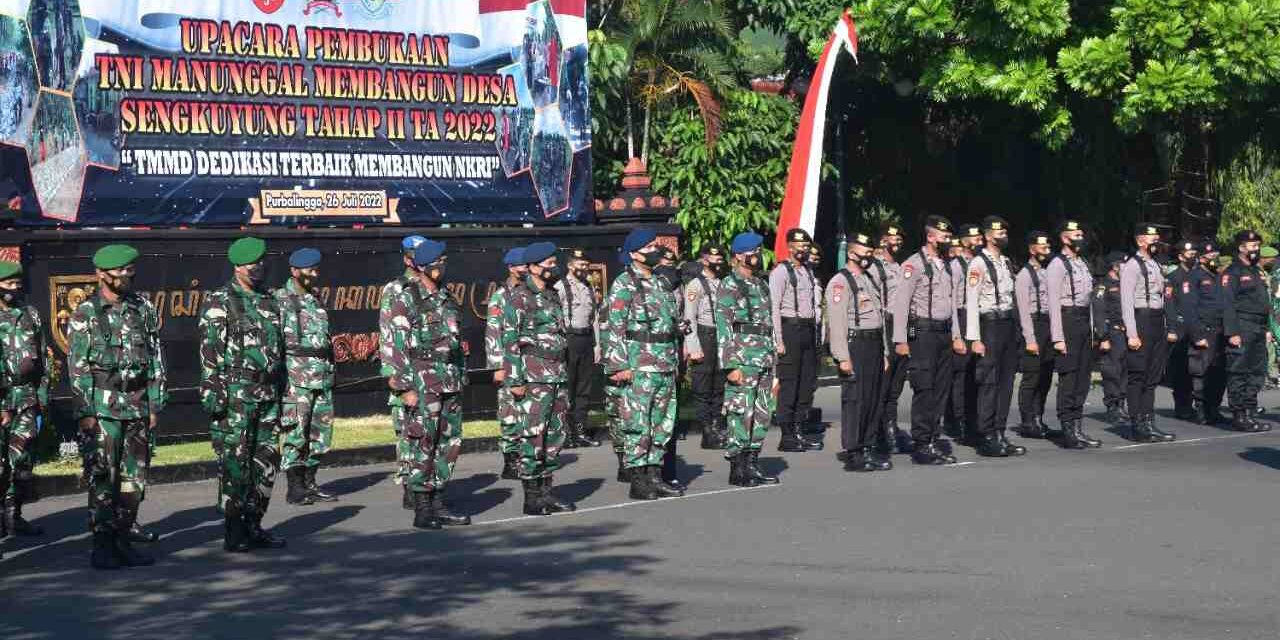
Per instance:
{"type": "Point", "coordinates": [752, 329]}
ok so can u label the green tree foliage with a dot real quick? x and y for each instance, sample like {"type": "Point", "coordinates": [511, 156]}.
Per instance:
{"type": "Point", "coordinates": [1250, 188]}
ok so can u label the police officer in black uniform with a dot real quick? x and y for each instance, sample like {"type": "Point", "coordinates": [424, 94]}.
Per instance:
{"type": "Point", "coordinates": [1108, 331]}
{"type": "Point", "coordinates": [1177, 287]}
{"type": "Point", "coordinates": [960, 414]}
{"type": "Point", "coordinates": [706, 378]}
{"type": "Point", "coordinates": [1147, 335]}
{"type": "Point", "coordinates": [1202, 309]}
{"type": "Point", "coordinates": [1245, 324]}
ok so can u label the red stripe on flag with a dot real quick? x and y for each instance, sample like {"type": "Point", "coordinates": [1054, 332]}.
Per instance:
{"type": "Point", "coordinates": [576, 8]}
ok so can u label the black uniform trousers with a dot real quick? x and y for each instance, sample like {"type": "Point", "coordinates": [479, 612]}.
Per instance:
{"type": "Point", "coordinates": [1178, 376]}
{"type": "Point", "coordinates": [1112, 366]}
{"type": "Point", "coordinates": [861, 391]}
{"type": "Point", "coordinates": [1208, 368]}
{"type": "Point", "coordinates": [1145, 367]}
{"type": "Point", "coordinates": [993, 372]}
{"type": "Point", "coordinates": [962, 394]}
{"type": "Point", "coordinates": [929, 368]}
{"type": "Point", "coordinates": [580, 366]}
{"type": "Point", "coordinates": [1037, 370]}
{"type": "Point", "coordinates": [797, 370]}
{"type": "Point", "coordinates": [1247, 364]}
{"type": "Point", "coordinates": [706, 380]}
{"type": "Point", "coordinates": [894, 381]}
{"type": "Point", "coordinates": [1074, 367]}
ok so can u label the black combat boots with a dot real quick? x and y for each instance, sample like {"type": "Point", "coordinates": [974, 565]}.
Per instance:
{"type": "Point", "coordinates": [755, 472]}
{"type": "Point", "coordinates": [856, 461]}
{"type": "Point", "coordinates": [424, 513]}
{"type": "Point", "coordinates": [127, 555]}
{"type": "Point", "coordinates": [642, 488]}
{"type": "Point", "coordinates": [550, 503]}
{"type": "Point", "coordinates": [235, 536]}
{"type": "Point", "coordinates": [260, 538]}
{"type": "Point", "coordinates": [443, 513]}
{"type": "Point", "coordinates": [313, 489]}
{"type": "Point", "coordinates": [297, 493]}
{"type": "Point", "coordinates": [877, 462]}
{"type": "Point", "coordinates": [104, 553]}
{"type": "Point", "coordinates": [578, 437]}
{"type": "Point", "coordinates": [791, 442]}
{"type": "Point", "coordinates": [1030, 427]}
{"type": "Point", "coordinates": [624, 474]}
{"type": "Point", "coordinates": [1009, 447]}
{"type": "Point", "coordinates": [660, 488]}
{"type": "Point", "coordinates": [14, 523]}
{"type": "Point", "coordinates": [738, 475]}
{"type": "Point", "coordinates": [510, 466]}
{"type": "Point", "coordinates": [991, 447]}
{"type": "Point", "coordinates": [927, 453]}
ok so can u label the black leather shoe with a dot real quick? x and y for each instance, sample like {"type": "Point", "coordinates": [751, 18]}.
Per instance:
{"type": "Point", "coordinates": [660, 488]}
{"type": "Point", "coordinates": [235, 536]}
{"type": "Point", "coordinates": [991, 447]}
{"type": "Point", "coordinates": [624, 474]}
{"type": "Point", "coordinates": [927, 453]}
{"type": "Point", "coordinates": [879, 463]}
{"type": "Point", "coordinates": [104, 554]}
{"type": "Point", "coordinates": [578, 435]}
{"type": "Point", "coordinates": [1081, 436]}
{"type": "Point", "coordinates": [738, 475]}
{"type": "Point", "coordinates": [550, 503]}
{"type": "Point", "coordinates": [1030, 428]}
{"type": "Point", "coordinates": [129, 556]}
{"type": "Point", "coordinates": [139, 534]}
{"type": "Point", "coordinates": [1009, 447]}
{"type": "Point", "coordinates": [260, 538]}
{"type": "Point", "coordinates": [442, 512]}
{"type": "Point", "coordinates": [509, 464]}
{"type": "Point", "coordinates": [424, 513]}
{"type": "Point", "coordinates": [858, 462]}
{"type": "Point", "coordinates": [297, 493]}
{"type": "Point", "coordinates": [710, 438]}
{"type": "Point", "coordinates": [313, 489]}
{"type": "Point", "coordinates": [1156, 434]}
{"type": "Point", "coordinates": [810, 442]}
{"type": "Point", "coordinates": [641, 486]}
{"type": "Point", "coordinates": [1069, 438]}
{"type": "Point", "coordinates": [755, 472]}
{"type": "Point", "coordinates": [1188, 414]}
{"type": "Point", "coordinates": [791, 442]}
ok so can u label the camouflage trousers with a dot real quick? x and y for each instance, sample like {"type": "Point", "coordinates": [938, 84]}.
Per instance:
{"type": "Point", "coordinates": [431, 441]}
{"type": "Point", "coordinates": [117, 473]}
{"type": "Point", "coordinates": [16, 461]}
{"type": "Point", "coordinates": [748, 408]}
{"type": "Point", "coordinates": [248, 451]}
{"type": "Point", "coordinates": [543, 408]}
{"type": "Point", "coordinates": [508, 422]}
{"type": "Point", "coordinates": [613, 395]}
{"type": "Point", "coordinates": [648, 417]}
{"type": "Point", "coordinates": [307, 420]}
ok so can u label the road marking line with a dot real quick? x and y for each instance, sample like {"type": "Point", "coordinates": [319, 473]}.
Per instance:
{"type": "Point", "coordinates": [620, 505]}
{"type": "Point", "coordinates": [1188, 441]}
{"type": "Point", "coordinates": [962, 464]}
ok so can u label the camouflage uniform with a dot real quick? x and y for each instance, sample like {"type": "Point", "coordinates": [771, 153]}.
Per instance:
{"type": "Point", "coordinates": [307, 414]}
{"type": "Point", "coordinates": [422, 351]}
{"type": "Point", "coordinates": [117, 375]}
{"type": "Point", "coordinates": [533, 332]}
{"type": "Point", "coordinates": [745, 339]}
{"type": "Point", "coordinates": [241, 380]}
{"type": "Point", "coordinates": [24, 389]}
{"type": "Point", "coordinates": [399, 416]}
{"type": "Point", "coordinates": [495, 353]}
{"type": "Point", "coordinates": [642, 319]}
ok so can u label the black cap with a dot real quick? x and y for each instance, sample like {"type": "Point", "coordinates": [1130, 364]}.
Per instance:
{"type": "Point", "coordinates": [798, 235]}
{"type": "Point", "coordinates": [710, 250]}
{"type": "Point", "coordinates": [1037, 237]}
{"type": "Point", "coordinates": [970, 230]}
{"type": "Point", "coordinates": [1145, 229]}
{"type": "Point", "coordinates": [891, 230]}
{"type": "Point", "coordinates": [1188, 245]}
{"type": "Point", "coordinates": [1116, 256]}
{"type": "Point", "coordinates": [1209, 246]}
{"type": "Point", "coordinates": [995, 223]}
{"type": "Point", "coordinates": [938, 222]}
{"type": "Point", "coordinates": [1247, 235]}
{"type": "Point", "coordinates": [1070, 225]}
{"type": "Point", "coordinates": [860, 238]}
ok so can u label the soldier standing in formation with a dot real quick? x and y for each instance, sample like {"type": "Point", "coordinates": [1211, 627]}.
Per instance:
{"type": "Point", "coordinates": [926, 331]}
{"type": "Point", "coordinates": [856, 318]}
{"type": "Point", "coordinates": [642, 357]}
{"type": "Point", "coordinates": [886, 274]}
{"type": "Point", "coordinates": [992, 330]}
{"type": "Point", "coordinates": [581, 316]}
{"type": "Point", "coordinates": [495, 353]}
{"type": "Point", "coordinates": [1032, 293]}
{"type": "Point", "coordinates": [24, 390]}
{"type": "Point", "coordinates": [307, 413]}
{"type": "Point", "coordinates": [242, 378]}
{"type": "Point", "coordinates": [700, 347]}
{"type": "Point", "coordinates": [1146, 332]}
{"type": "Point", "coordinates": [536, 376]}
{"type": "Point", "coordinates": [1245, 325]}
{"type": "Point", "coordinates": [960, 413]}
{"type": "Point", "coordinates": [1070, 285]}
{"type": "Point", "coordinates": [399, 414]}
{"type": "Point", "coordinates": [744, 336]}
{"type": "Point", "coordinates": [1177, 287]}
{"type": "Point", "coordinates": [614, 390]}
{"type": "Point", "coordinates": [422, 358]}
{"type": "Point", "coordinates": [1108, 330]}
{"type": "Point", "coordinates": [117, 376]}
{"type": "Point", "coordinates": [795, 316]}
{"type": "Point", "coordinates": [1203, 307]}
{"type": "Point", "coordinates": [668, 276]}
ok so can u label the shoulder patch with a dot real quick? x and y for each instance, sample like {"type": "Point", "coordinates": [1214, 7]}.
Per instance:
{"type": "Point", "coordinates": [906, 271]}
{"type": "Point", "coordinates": [1226, 278]}
{"type": "Point", "coordinates": [1186, 286]}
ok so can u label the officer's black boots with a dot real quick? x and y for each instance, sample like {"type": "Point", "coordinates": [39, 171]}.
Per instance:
{"type": "Point", "coordinates": [550, 503]}
{"type": "Point", "coordinates": [878, 462]}
{"type": "Point", "coordinates": [1116, 414]}
{"type": "Point", "coordinates": [1244, 421]}
{"type": "Point", "coordinates": [424, 513]}
{"type": "Point", "coordinates": [927, 453]}
{"type": "Point", "coordinates": [624, 474]}
{"type": "Point", "coordinates": [1070, 435]}
{"type": "Point", "coordinates": [14, 523]}
{"type": "Point", "coordinates": [641, 486]}
{"type": "Point", "coordinates": [811, 443]}
{"type": "Point", "coordinates": [235, 536]}
{"type": "Point", "coordinates": [755, 472]}
{"type": "Point", "coordinates": [738, 475]}
{"type": "Point", "coordinates": [578, 437]}
{"type": "Point", "coordinates": [509, 465]}
{"type": "Point", "coordinates": [1145, 430]}
{"type": "Point", "coordinates": [138, 534]}
{"type": "Point", "coordinates": [1156, 433]}
{"type": "Point", "coordinates": [991, 447]}
{"type": "Point", "coordinates": [260, 538]}
{"type": "Point", "coordinates": [791, 442]}
{"type": "Point", "coordinates": [313, 489]}
{"type": "Point", "coordinates": [1009, 447]}
{"type": "Point", "coordinates": [1030, 427]}
{"type": "Point", "coordinates": [660, 488]}
{"type": "Point", "coordinates": [297, 493]}
{"type": "Point", "coordinates": [858, 461]}
{"type": "Point", "coordinates": [127, 555]}
{"type": "Point", "coordinates": [714, 434]}
{"type": "Point", "coordinates": [442, 512]}
{"type": "Point", "coordinates": [104, 553]}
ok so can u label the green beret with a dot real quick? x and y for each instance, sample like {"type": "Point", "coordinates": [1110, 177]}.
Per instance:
{"type": "Point", "coordinates": [1269, 252]}
{"type": "Point", "coordinates": [246, 251]}
{"type": "Point", "coordinates": [114, 256]}
{"type": "Point", "coordinates": [9, 270]}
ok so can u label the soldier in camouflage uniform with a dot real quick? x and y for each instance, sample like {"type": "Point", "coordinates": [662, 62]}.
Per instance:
{"type": "Point", "coordinates": [423, 360]}
{"type": "Point", "coordinates": [398, 413]}
{"type": "Point", "coordinates": [613, 392]}
{"type": "Point", "coordinates": [24, 389]}
{"type": "Point", "coordinates": [536, 376]}
{"type": "Point", "coordinates": [242, 378]}
{"type": "Point", "coordinates": [495, 351]}
{"type": "Point", "coordinates": [642, 358]}
{"type": "Point", "coordinates": [117, 377]}
{"type": "Point", "coordinates": [744, 338]}
{"type": "Point", "coordinates": [307, 414]}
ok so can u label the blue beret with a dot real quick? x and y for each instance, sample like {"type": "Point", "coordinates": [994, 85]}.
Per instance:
{"type": "Point", "coordinates": [411, 242]}
{"type": "Point", "coordinates": [638, 239]}
{"type": "Point", "coordinates": [538, 251]}
{"type": "Point", "coordinates": [748, 241]}
{"type": "Point", "coordinates": [304, 258]}
{"type": "Point", "coordinates": [427, 252]}
{"type": "Point", "coordinates": [513, 257]}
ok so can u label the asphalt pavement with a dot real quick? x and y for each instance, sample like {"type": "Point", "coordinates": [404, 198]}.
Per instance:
{"type": "Point", "coordinates": [1164, 541]}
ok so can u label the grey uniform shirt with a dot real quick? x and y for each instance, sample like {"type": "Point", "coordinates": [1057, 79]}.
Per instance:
{"type": "Point", "coordinates": [957, 268]}
{"type": "Point", "coordinates": [1139, 293]}
{"type": "Point", "coordinates": [985, 291]}
{"type": "Point", "coordinates": [1068, 287]}
{"type": "Point", "coordinates": [1033, 298]}
{"type": "Point", "coordinates": [580, 308]}
{"type": "Point", "coordinates": [888, 283]}
{"type": "Point", "coordinates": [787, 302]}
{"type": "Point", "coordinates": [922, 291]}
{"type": "Point", "coordinates": [699, 310]}
{"type": "Point", "coordinates": [853, 302]}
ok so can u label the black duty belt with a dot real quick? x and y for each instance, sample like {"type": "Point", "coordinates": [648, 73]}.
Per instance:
{"type": "Point", "coordinates": [706, 328]}
{"type": "Point", "coordinates": [548, 354]}
{"type": "Point", "coordinates": [1075, 311]}
{"type": "Point", "coordinates": [922, 324]}
{"type": "Point", "coordinates": [1117, 326]}
{"type": "Point", "coordinates": [753, 329]}
{"type": "Point", "coordinates": [112, 380]}
{"type": "Point", "coordinates": [797, 320]}
{"type": "Point", "coordinates": [1148, 312]}
{"type": "Point", "coordinates": [1039, 317]}
{"type": "Point", "coordinates": [866, 334]}
{"type": "Point", "coordinates": [575, 331]}
{"type": "Point", "coordinates": [310, 352]}
{"type": "Point", "coordinates": [997, 315]}
{"type": "Point", "coordinates": [253, 375]}
{"type": "Point", "coordinates": [652, 337]}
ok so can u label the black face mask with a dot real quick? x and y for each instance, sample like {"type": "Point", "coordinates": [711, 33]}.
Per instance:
{"type": "Point", "coordinates": [753, 263]}
{"type": "Point", "coordinates": [669, 276]}
{"type": "Point", "coordinates": [1037, 258]}
{"type": "Point", "coordinates": [719, 268]}
{"type": "Point", "coordinates": [1001, 242]}
{"type": "Point", "coordinates": [1080, 244]}
{"type": "Point", "coordinates": [306, 281]}
{"type": "Point", "coordinates": [650, 258]}
{"type": "Point", "coordinates": [864, 261]}
{"type": "Point", "coordinates": [803, 257]}
{"type": "Point", "coordinates": [120, 284]}
{"type": "Point", "coordinates": [256, 273]}
{"type": "Point", "coordinates": [11, 297]}
{"type": "Point", "coordinates": [1190, 263]}
{"type": "Point", "coordinates": [549, 276]}
{"type": "Point", "coordinates": [1156, 248]}
{"type": "Point", "coordinates": [1253, 257]}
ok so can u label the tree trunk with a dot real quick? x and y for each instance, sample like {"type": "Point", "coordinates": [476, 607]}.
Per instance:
{"type": "Point", "coordinates": [648, 115]}
{"type": "Point", "coordinates": [631, 135]}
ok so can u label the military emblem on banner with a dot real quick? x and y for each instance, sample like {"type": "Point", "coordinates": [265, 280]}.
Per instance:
{"type": "Point", "coordinates": [65, 295]}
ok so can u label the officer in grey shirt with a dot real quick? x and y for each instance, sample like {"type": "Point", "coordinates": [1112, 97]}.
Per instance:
{"type": "Point", "coordinates": [794, 296]}
{"type": "Point", "coordinates": [706, 379]}
{"type": "Point", "coordinates": [886, 274]}
{"type": "Point", "coordinates": [1036, 367]}
{"type": "Point", "coordinates": [581, 317]}
{"type": "Point", "coordinates": [1146, 330]}
{"type": "Point", "coordinates": [1071, 329]}
{"type": "Point", "coordinates": [992, 330]}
